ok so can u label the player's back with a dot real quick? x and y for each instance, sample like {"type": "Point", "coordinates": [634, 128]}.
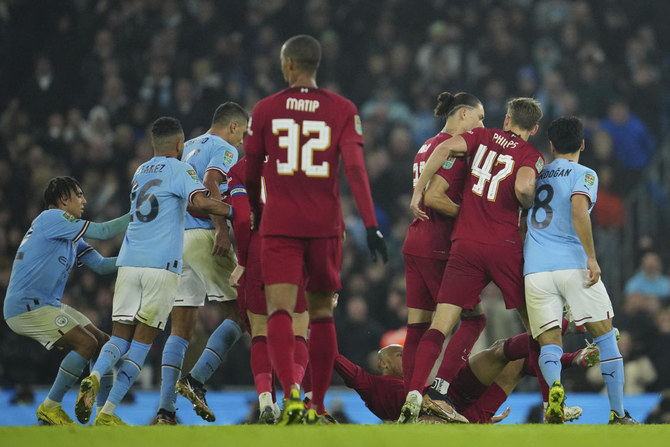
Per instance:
{"type": "Point", "coordinates": [43, 262]}
{"type": "Point", "coordinates": [432, 238]}
{"type": "Point", "coordinates": [302, 130]}
{"type": "Point", "coordinates": [490, 210]}
{"type": "Point", "coordinates": [550, 226]}
{"type": "Point", "coordinates": [160, 190]}
{"type": "Point", "coordinates": [204, 153]}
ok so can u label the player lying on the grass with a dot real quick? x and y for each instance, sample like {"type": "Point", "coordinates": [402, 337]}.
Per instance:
{"type": "Point", "coordinates": [480, 387]}
{"type": "Point", "coordinates": [51, 247]}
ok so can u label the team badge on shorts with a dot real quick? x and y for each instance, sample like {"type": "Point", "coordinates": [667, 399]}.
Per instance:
{"type": "Point", "coordinates": [228, 157]}
{"type": "Point", "coordinates": [589, 179]}
{"type": "Point", "coordinates": [61, 321]}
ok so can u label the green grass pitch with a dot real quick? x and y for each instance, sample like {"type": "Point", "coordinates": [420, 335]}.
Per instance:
{"type": "Point", "coordinates": [342, 435]}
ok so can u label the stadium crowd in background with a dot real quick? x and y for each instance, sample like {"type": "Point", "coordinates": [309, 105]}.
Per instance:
{"type": "Point", "coordinates": [87, 79]}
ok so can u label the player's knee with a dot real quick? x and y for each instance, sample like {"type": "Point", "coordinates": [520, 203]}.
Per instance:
{"type": "Point", "coordinates": [498, 348]}
{"type": "Point", "coordinates": [88, 346]}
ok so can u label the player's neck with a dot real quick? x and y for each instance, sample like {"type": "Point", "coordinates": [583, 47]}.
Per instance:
{"type": "Point", "coordinates": [303, 80]}
{"type": "Point", "coordinates": [570, 157]}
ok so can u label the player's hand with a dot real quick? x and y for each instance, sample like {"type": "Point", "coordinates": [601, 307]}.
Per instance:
{"type": "Point", "coordinates": [594, 271]}
{"type": "Point", "coordinates": [236, 275]}
{"type": "Point", "coordinates": [255, 220]}
{"type": "Point", "coordinates": [501, 416]}
{"type": "Point", "coordinates": [376, 244]}
{"type": "Point", "coordinates": [221, 243]}
{"type": "Point", "coordinates": [335, 299]}
{"type": "Point", "coordinates": [415, 205]}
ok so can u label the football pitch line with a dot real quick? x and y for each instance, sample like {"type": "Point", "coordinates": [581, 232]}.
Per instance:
{"type": "Point", "coordinates": [341, 435]}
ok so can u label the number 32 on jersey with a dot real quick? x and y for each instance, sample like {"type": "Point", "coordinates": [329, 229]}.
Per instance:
{"type": "Point", "coordinates": [302, 158]}
{"type": "Point", "coordinates": [482, 167]}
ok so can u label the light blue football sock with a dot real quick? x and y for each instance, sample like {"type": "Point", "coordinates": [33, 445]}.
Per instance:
{"type": "Point", "coordinates": [550, 363]}
{"type": "Point", "coordinates": [611, 368]}
{"type": "Point", "coordinates": [110, 354]}
{"type": "Point", "coordinates": [173, 359]}
{"type": "Point", "coordinates": [129, 371]}
{"type": "Point", "coordinates": [223, 338]}
{"type": "Point", "coordinates": [68, 373]}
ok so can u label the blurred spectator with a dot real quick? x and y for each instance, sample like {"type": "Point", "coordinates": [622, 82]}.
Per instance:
{"type": "Point", "coordinates": [357, 334]}
{"type": "Point", "coordinates": [650, 280]}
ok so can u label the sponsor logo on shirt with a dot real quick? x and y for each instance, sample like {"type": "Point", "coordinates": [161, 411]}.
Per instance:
{"type": "Point", "coordinates": [448, 163]}
{"type": "Point", "coordinates": [228, 157]}
{"type": "Point", "coordinates": [69, 217]}
{"type": "Point", "coordinates": [193, 175]}
{"type": "Point", "coordinates": [589, 179]}
{"type": "Point", "coordinates": [539, 165]}
{"type": "Point", "coordinates": [357, 125]}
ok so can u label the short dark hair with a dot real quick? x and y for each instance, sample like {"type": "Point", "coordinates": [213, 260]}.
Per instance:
{"type": "Point", "coordinates": [164, 129]}
{"type": "Point", "coordinates": [524, 112]}
{"type": "Point", "coordinates": [566, 134]}
{"type": "Point", "coordinates": [228, 112]}
{"type": "Point", "coordinates": [59, 187]}
{"type": "Point", "coordinates": [304, 51]}
{"type": "Point", "coordinates": [448, 104]}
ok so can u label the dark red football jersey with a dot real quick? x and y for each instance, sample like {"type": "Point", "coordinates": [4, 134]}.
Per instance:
{"type": "Point", "coordinates": [301, 133]}
{"type": "Point", "coordinates": [490, 210]}
{"type": "Point", "coordinates": [237, 198]}
{"type": "Point", "coordinates": [432, 238]}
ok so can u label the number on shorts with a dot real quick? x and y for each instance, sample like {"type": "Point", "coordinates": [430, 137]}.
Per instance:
{"type": "Point", "coordinates": [544, 205]}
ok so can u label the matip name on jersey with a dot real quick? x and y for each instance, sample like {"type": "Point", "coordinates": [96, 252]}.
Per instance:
{"type": "Point", "coordinates": [151, 169]}
{"type": "Point", "coordinates": [555, 173]}
{"type": "Point", "coordinates": [302, 105]}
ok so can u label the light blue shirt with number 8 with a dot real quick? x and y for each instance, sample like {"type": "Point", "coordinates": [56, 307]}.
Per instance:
{"type": "Point", "coordinates": [552, 242]}
{"type": "Point", "coordinates": [160, 190]}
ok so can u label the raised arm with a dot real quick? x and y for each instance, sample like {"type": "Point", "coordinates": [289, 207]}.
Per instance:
{"type": "Point", "coordinates": [524, 186]}
{"type": "Point", "coordinates": [581, 219]}
{"type": "Point", "coordinates": [455, 146]}
{"type": "Point", "coordinates": [109, 229]}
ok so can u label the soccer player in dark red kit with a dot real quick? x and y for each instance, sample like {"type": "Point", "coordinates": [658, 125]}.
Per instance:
{"type": "Point", "coordinates": [295, 140]}
{"type": "Point", "coordinates": [486, 242]}
{"type": "Point", "coordinates": [427, 244]}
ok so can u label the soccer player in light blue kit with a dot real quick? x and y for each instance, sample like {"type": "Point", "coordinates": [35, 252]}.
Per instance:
{"type": "Point", "coordinates": [51, 247]}
{"type": "Point", "coordinates": [149, 265]}
{"type": "Point", "coordinates": [560, 267]}
{"type": "Point", "coordinates": [208, 264]}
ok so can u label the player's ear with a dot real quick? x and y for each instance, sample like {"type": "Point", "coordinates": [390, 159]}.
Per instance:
{"type": "Point", "coordinates": [534, 130]}
{"type": "Point", "coordinates": [581, 148]}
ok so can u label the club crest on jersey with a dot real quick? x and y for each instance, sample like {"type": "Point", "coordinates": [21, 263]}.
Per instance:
{"type": "Point", "coordinates": [448, 163]}
{"type": "Point", "coordinates": [589, 179]}
{"type": "Point", "coordinates": [193, 175]}
{"type": "Point", "coordinates": [69, 217]}
{"type": "Point", "coordinates": [228, 157]}
{"type": "Point", "coordinates": [539, 165]}
{"type": "Point", "coordinates": [357, 125]}
{"type": "Point", "coordinates": [61, 321]}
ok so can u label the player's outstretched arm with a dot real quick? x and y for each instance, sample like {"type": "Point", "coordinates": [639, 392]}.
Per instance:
{"type": "Point", "coordinates": [98, 263]}
{"type": "Point", "coordinates": [455, 146]}
{"type": "Point", "coordinates": [203, 204]}
{"type": "Point", "coordinates": [437, 199]}
{"type": "Point", "coordinates": [524, 186]}
{"type": "Point", "coordinates": [581, 219]}
{"type": "Point", "coordinates": [109, 229]}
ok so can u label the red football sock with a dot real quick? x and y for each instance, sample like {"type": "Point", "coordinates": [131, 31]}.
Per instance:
{"type": "Point", "coordinates": [490, 401]}
{"type": "Point", "coordinates": [307, 379]}
{"type": "Point", "coordinates": [568, 358]}
{"type": "Point", "coordinates": [459, 346]}
{"type": "Point", "coordinates": [322, 352]}
{"type": "Point", "coordinates": [414, 333]}
{"type": "Point", "coordinates": [428, 351]}
{"type": "Point", "coordinates": [516, 347]}
{"type": "Point", "coordinates": [260, 364]}
{"type": "Point", "coordinates": [281, 350]}
{"type": "Point", "coordinates": [301, 358]}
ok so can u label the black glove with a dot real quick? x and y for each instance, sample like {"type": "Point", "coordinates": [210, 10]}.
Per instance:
{"type": "Point", "coordinates": [376, 244]}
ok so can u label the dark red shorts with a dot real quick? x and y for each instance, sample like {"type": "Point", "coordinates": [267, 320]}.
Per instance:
{"type": "Point", "coordinates": [290, 260]}
{"type": "Point", "coordinates": [252, 283]}
{"type": "Point", "coordinates": [472, 266]}
{"type": "Point", "coordinates": [423, 277]}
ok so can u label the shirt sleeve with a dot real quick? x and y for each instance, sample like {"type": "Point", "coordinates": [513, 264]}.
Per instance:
{"type": "Point", "coordinates": [586, 184]}
{"type": "Point", "coordinates": [453, 170]}
{"type": "Point", "coordinates": [59, 224]}
{"type": "Point", "coordinates": [255, 153]}
{"type": "Point", "coordinates": [223, 159]}
{"type": "Point", "coordinates": [473, 138]}
{"type": "Point", "coordinates": [241, 221]}
{"type": "Point", "coordinates": [352, 131]}
{"type": "Point", "coordinates": [186, 182]}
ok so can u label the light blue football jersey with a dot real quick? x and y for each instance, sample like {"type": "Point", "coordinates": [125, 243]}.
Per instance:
{"type": "Point", "coordinates": [552, 243]}
{"type": "Point", "coordinates": [204, 153]}
{"type": "Point", "coordinates": [47, 253]}
{"type": "Point", "coordinates": [160, 191]}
